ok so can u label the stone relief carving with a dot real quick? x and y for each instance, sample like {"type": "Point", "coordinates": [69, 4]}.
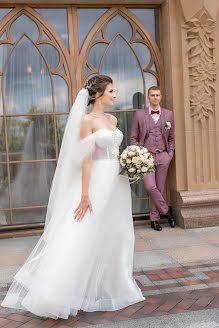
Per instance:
{"type": "Point", "coordinates": [202, 64]}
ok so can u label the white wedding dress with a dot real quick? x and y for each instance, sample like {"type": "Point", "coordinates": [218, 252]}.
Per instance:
{"type": "Point", "coordinates": [87, 264]}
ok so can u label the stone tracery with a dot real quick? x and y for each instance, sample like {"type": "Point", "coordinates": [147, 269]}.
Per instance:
{"type": "Point", "coordinates": [201, 64]}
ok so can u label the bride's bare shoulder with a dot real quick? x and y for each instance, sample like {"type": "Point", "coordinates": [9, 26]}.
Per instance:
{"type": "Point", "coordinates": [86, 126]}
{"type": "Point", "coordinates": [87, 120]}
{"type": "Point", "coordinates": [112, 118]}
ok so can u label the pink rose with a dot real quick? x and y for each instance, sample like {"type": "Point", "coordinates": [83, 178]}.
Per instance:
{"type": "Point", "coordinates": [132, 170]}
{"type": "Point", "coordinates": [133, 148]}
{"type": "Point", "coordinates": [144, 169]}
{"type": "Point", "coordinates": [123, 165]}
{"type": "Point", "coordinates": [128, 160]}
{"type": "Point", "coordinates": [135, 160]}
{"type": "Point", "coordinates": [138, 171]}
{"type": "Point", "coordinates": [145, 159]}
{"type": "Point", "coordinates": [131, 153]}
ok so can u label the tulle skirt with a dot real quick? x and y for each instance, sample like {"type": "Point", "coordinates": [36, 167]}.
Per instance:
{"type": "Point", "coordinates": [84, 265]}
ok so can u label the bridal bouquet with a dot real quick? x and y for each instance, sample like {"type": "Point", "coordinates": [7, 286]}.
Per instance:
{"type": "Point", "coordinates": [136, 161]}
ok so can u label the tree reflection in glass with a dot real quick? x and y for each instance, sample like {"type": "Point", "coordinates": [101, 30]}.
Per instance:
{"type": "Point", "coordinates": [122, 65]}
{"type": "Point", "coordinates": [27, 81]}
{"type": "Point", "coordinates": [30, 183]}
{"type": "Point", "coordinates": [4, 197]}
{"type": "Point", "coordinates": [31, 137]}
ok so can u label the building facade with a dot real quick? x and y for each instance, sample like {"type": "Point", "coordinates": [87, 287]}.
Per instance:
{"type": "Point", "coordinates": [47, 52]}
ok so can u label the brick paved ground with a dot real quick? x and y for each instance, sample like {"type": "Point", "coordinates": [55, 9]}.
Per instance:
{"type": "Point", "coordinates": [170, 268]}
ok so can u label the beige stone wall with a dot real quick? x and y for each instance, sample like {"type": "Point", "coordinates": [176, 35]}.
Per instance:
{"type": "Point", "coordinates": [191, 57]}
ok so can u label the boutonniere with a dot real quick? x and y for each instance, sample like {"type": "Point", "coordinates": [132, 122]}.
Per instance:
{"type": "Point", "coordinates": [167, 125]}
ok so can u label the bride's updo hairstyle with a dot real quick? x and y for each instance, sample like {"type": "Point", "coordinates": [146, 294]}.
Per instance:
{"type": "Point", "coordinates": [96, 84]}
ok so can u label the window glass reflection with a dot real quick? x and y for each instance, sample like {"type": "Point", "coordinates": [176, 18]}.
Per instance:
{"type": "Point", "coordinates": [150, 81]}
{"type": "Point", "coordinates": [4, 51]}
{"type": "Point", "coordinates": [61, 121]}
{"type": "Point", "coordinates": [143, 53]}
{"type": "Point", "coordinates": [34, 215]}
{"type": "Point", "coordinates": [2, 141]}
{"type": "Point", "coordinates": [153, 68]}
{"type": "Point", "coordinates": [121, 64]}
{"type": "Point", "coordinates": [87, 17]}
{"type": "Point", "coordinates": [30, 183]}
{"type": "Point", "coordinates": [24, 24]}
{"type": "Point", "coordinates": [1, 104]}
{"type": "Point", "coordinates": [61, 94]}
{"type": "Point", "coordinates": [51, 55]}
{"type": "Point", "coordinates": [149, 17]}
{"type": "Point", "coordinates": [119, 24]}
{"type": "Point", "coordinates": [4, 36]}
{"type": "Point", "coordinates": [139, 206]}
{"type": "Point", "coordinates": [27, 84]}
{"type": "Point", "coordinates": [5, 218]}
{"type": "Point", "coordinates": [96, 54]}
{"type": "Point", "coordinates": [4, 197]}
{"type": "Point", "coordinates": [31, 138]}
{"type": "Point", "coordinates": [4, 12]}
{"type": "Point", "coordinates": [60, 24]}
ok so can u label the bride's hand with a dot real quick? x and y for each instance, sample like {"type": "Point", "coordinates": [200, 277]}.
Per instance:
{"type": "Point", "coordinates": [82, 208]}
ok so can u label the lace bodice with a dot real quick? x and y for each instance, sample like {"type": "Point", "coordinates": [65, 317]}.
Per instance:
{"type": "Point", "coordinates": [107, 144]}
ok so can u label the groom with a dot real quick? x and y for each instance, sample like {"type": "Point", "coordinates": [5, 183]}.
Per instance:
{"type": "Point", "coordinates": [154, 128]}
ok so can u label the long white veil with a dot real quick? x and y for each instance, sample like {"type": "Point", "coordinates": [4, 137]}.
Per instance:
{"type": "Point", "coordinates": [65, 190]}
{"type": "Point", "coordinates": [72, 152]}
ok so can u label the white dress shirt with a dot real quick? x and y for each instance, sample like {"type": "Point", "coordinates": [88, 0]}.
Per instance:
{"type": "Point", "coordinates": [155, 117]}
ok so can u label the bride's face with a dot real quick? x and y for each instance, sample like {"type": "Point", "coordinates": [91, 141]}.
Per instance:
{"type": "Point", "coordinates": [108, 97]}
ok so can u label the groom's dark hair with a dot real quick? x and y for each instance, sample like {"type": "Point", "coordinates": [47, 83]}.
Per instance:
{"type": "Point", "coordinates": [153, 88]}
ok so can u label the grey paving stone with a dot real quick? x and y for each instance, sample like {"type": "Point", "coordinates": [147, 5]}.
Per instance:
{"type": "Point", "coordinates": [175, 289]}
{"type": "Point", "coordinates": [214, 268]}
{"type": "Point", "coordinates": [196, 319]}
{"type": "Point", "coordinates": [3, 285]}
{"type": "Point", "coordinates": [190, 278]}
{"type": "Point", "coordinates": [2, 294]}
{"type": "Point", "coordinates": [164, 282]}
{"type": "Point", "coordinates": [7, 273]}
{"type": "Point", "coordinates": [200, 262]}
{"type": "Point", "coordinates": [200, 230]}
{"type": "Point", "coordinates": [201, 275]}
{"type": "Point", "coordinates": [186, 279]}
{"type": "Point", "coordinates": [177, 241]}
{"type": "Point", "coordinates": [7, 310]}
{"type": "Point", "coordinates": [145, 281]}
{"type": "Point", "coordinates": [137, 236]}
{"type": "Point", "coordinates": [152, 259]}
{"type": "Point", "coordinates": [212, 284]}
{"type": "Point", "coordinates": [18, 244]}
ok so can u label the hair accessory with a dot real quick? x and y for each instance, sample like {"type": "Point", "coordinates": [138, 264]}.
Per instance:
{"type": "Point", "coordinates": [89, 85]}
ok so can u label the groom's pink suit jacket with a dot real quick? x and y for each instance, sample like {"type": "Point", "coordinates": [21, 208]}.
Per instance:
{"type": "Point", "coordinates": [141, 127]}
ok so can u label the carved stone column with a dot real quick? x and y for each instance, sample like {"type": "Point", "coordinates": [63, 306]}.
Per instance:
{"type": "Point", "coordinates": [193, 39]}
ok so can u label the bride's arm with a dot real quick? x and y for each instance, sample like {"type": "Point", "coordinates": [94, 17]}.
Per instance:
{"type": "Point", "coordinates": [85, 203]}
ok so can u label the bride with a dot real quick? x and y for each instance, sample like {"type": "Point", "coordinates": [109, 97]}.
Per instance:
{"type": "Point", "coordinates": [84, 259]}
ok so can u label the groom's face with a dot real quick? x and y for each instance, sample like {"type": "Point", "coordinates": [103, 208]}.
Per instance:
{"type": "Point", "coordinates": [154, 97]}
